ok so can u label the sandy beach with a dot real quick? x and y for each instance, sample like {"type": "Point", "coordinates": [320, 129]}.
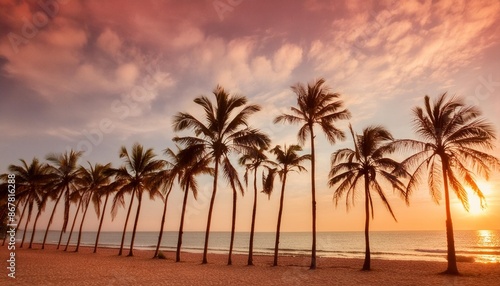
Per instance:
{"type": "Point", "coordinates": [56, 267]}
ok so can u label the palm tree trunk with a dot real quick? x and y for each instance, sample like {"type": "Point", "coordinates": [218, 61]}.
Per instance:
{"type": "Point", "coordinates": [233, 227]}
{"type": "Point", "coordinates": [73, 224]}
{"type": "Point", "coordinates": [313, 193]}
{"type": "Point", "coordinates": [25, 228]}
{"type": "Point", "coordinates": [207, 232]}
{"type": "Point", "coordinates": [254, 212]}
{"type": "Point", "coordinates": [160, 236]}
{"type": "Point", "coordinates": [366, 264]}
{"type": "Point", "coordinates": [81, 225]}
{"type": "Point", "coordinates": [18, 223]}
{"type": "Point", "coordinates": [139, 200]}
{"type": "Point", "coordinates": [452, 259]}
{"type": "Point", "coordinates": [126, 221]}
{"type": "Point", "coordinates": [34, 227]}
{"type": "Point", "coordinates": [280, 212]}
{"type": "Point", "coordinates": [50, 220]}
{"type": "Point", "coordinates": [181, 226]}
{"type": "Point", "coordinates": [100, 223]}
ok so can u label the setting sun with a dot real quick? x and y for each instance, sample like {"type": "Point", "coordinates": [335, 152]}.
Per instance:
{"type": "Point", "coordinates": [475, 207]}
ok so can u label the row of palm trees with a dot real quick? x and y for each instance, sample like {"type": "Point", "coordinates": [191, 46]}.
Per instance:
{"type": "Point", "coordinates": [452, 150]}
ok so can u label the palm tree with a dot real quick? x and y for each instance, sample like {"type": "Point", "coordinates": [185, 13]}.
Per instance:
{"type": "Point", "coordinates": [188, 167]}
{"type": "Point", "coordinates": [232, 176]}
{"type": "Point", "coordinates": [364, 166]}
{"type": "Point", "coordinates": [30, 180]}
{"type": "Point", "coordinates": [136, 176]}
{"type": "Point", "coordinates": [288, 160]}
{"type": "Point", "coordinates": [105, 191]}
{"type": "Point", "coordinates": [64, 172]}
{"type": "Point", "coordinates": [316, 105]}
{"type": "Point", "coordinates": [166, 179]}
{"type": "Point", "coordinates": [41, 208]}
{"type": "Point", "coordinates": [252, 161]}
{"type": "Point", "coordinates": [93, 180]}
{"type": "Point", "coordinates": [453, 135]}
{"type": "Point", "coordinates": [75, 197]}
{"type": "Point", "coordinates": [224, 132]}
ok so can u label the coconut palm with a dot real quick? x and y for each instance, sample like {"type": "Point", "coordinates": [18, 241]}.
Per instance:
{"type": "Point", "coordinates": [92, 180]}
{"type": "Point", "coordinates": [365, 167]}
{"type": "Point", "coordinates": [97, 198]}
{"type": "Point", "coordinates": [224, 132]}
{"type": "Point", "coordinates": [316, 105]}
{"type": "Point", "coordinates": [64, 171]}
{"type": "Point", "coordinates": [41, 208]}
{"type": "Point", "coordinates": [166, 187]}
{"type": "Point", "coordinates": [454, 138]}
{"type": "Point", "coordinates": [234, 181]}
{"type": "Point", "coordinates": [136, 176]}
{"type": "Point", "coordinates": [252, 161]}
{"type": "Point", "coordinates": [187, 167]}
{"type": "Point", "coordinates": [30, 181]}
{"type": "Point", "coordinates": [75, 197]}
{"type": "Point", "coordinates": [287, 160]}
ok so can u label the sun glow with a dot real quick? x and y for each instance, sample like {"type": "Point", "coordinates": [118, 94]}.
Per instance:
{"type": "Point", "coordinates": [475, 207]}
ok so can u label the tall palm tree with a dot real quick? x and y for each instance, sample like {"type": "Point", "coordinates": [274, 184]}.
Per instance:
{"type": "Point", "coordinates": [288, 160]}
{"type": "Point", "coordinates": [75, 197]}
{"type": "Point", "coordinates": [234, 181]}
{"type": "Point", "coordinates": [64, 171]}
{"type": "Point", "coordinates": [365, 166]}
{"type": "Point", "coordinates": [92, 180]}
{"type": "Point", "coordinates": [454, 136]}
{"type": "Point", "coordinates": [188, 167]}
{"type": "Point", "coordinates": [41, 208]}
{"type": "Point", "coordinates": [97, 197]}
{"type": "Point", "coordinates": [252, 161]}
{"type": "Point", "coordinates": [30, 181]}
{"type": "Point", "coordinates": [165, 194]}
{"type": "Point", "coordinates": [224, 132]}
{"type": "Point", "coordinates": [316, 105]}
{"type": "Point", "coordinates": [136, 176]}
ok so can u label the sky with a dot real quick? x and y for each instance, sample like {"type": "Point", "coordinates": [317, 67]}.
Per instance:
{"type": "Point", "coordinates": [96, 75]}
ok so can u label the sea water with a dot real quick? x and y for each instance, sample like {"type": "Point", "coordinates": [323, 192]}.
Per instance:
{"type": "Point", "coordinates": [471, 245]}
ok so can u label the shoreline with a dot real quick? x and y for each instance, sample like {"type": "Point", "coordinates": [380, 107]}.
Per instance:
{"type": "Point", "coordinates": [57, 267]}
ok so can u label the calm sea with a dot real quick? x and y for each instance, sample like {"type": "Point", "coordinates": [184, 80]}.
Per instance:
{"type": "Point", "coordinates": [481, 245]}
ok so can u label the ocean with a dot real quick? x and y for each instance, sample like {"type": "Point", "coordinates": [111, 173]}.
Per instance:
{"type": "Point", "coordinates": [481, 246]}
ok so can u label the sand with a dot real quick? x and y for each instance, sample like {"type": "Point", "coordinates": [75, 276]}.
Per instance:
{"type": "Point", "coordinates": [56, 267]}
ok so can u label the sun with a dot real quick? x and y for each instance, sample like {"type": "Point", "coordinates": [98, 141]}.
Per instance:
{"type": "Point", "coordinates": [475, 205]}
{"type": "Point", "coordinates": [474, 201]}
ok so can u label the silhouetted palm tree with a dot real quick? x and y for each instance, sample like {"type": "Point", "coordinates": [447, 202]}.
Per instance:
{"type": "Point", "coordinates": [98, 194]}
{"type": "Point", "coordinates": [185, 167]}
{"type": "Point", "coordinates": [75, 197]}
{"type": "Point", "coordinates": [252, 161]}
{"type": "Point", "coordinates": [453, 135]}
{"type": "Point", "coordinates": [92, 180]}
{"type": "Point", "coordinates": [225, 131]}
{"type": "Point", "coordinates": [234, 181]}
{"type": "Point", "coordinates": [136, 176]}
{"type": "Point", "coordinates": [165, 194]}
{"type": "Point", "coordinates": [30, 181]}
{"type": "Point", "coordinates": [365, 166]}
{"type": "Point", "coordinates": [316, 105]}
{"type": "Point", "coordinates": [64, 173]}
{"type": "Point", "coordinates": [288, 160]}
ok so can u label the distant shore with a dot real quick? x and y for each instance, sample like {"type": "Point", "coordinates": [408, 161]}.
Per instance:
{"type": "Point", "coordinates": [56, 267]}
